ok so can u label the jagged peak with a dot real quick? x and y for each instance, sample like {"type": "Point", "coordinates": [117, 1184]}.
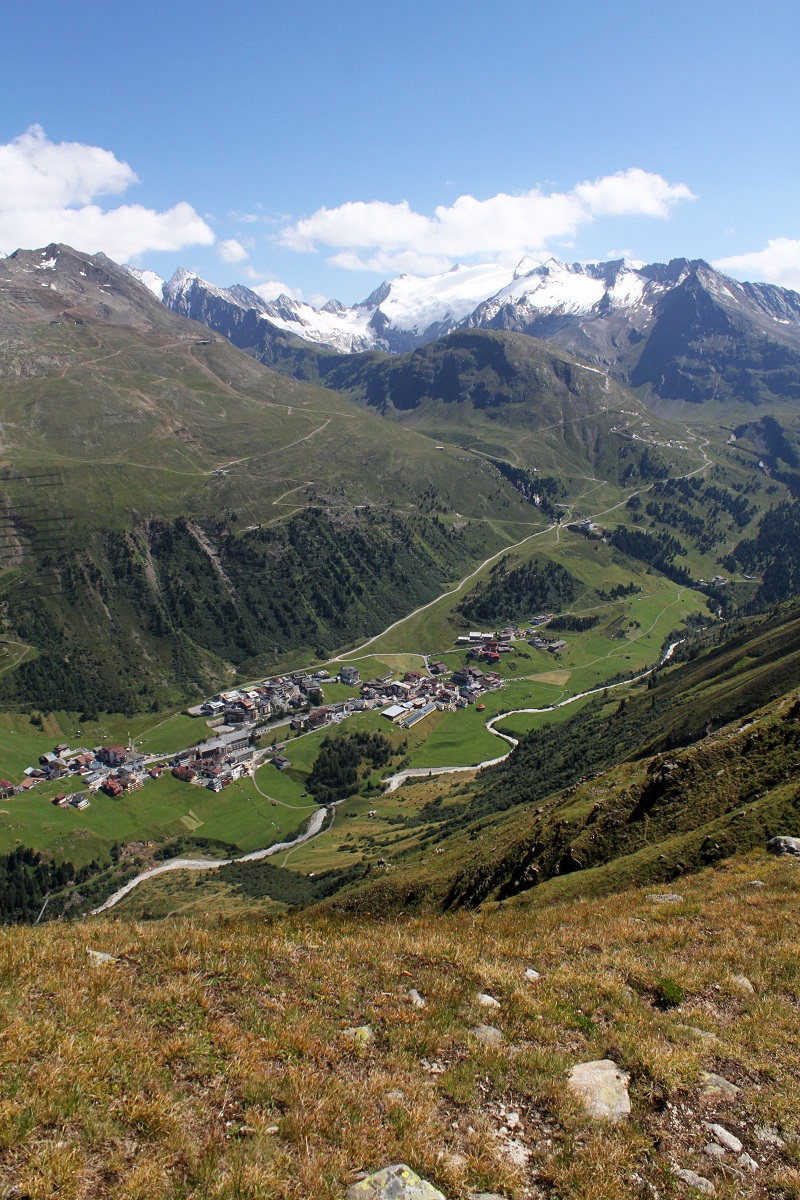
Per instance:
{"type": "Point", "coordinates": [526, 266]}
{"type": "Point", "coordinates": [381, 293]}
{"type": "Point", "coordinates": [181, 276]}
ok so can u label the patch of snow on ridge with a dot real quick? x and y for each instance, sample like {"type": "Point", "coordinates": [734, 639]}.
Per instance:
{"type": "Point", "coordinates": [48, 265]}
{"type": "Point", "coordinates": [343, 329]}
{"type": "Point", "coordinates": [415, 302]}
{"type": "Point", "coordinates": [554, 287]}
{"type": "Point", "coordinates": [628, 289]}
{"type": "Point", "coordinates": [154, 283]}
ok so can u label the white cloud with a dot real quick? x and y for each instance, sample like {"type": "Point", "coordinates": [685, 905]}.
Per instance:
{"type": "Point", "coordinates": [37, 173]}
{"type": "Point", "coordinates": [253, 218]}
{"type": "Point", "coordinates": [272, 288]}
{"type": "Point", "coordinates": [778, 262]}
{"type": "Point", "coordinates": [379, 236]}
{"type": "Point", "coordinates": [46, 194]}
{"type": "Point", "coordinates": [403, 262]}
{"type": "Point", "coordinates": [632, 193]}
{"type": "Point", "coordinates": [231, 251]}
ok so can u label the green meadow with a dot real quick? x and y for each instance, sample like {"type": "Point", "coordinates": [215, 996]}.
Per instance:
{"type": "Point", "coordinates": [162, 809]}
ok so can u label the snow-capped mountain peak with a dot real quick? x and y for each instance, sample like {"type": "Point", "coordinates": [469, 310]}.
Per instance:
{"type": "Point", "coordinates": [603, 311]}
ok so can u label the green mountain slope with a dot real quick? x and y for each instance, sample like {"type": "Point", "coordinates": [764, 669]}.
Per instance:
{"type": "Point", "coordinates": [170, 510]}
{"type": "Point", "coordinates": [503, 393]}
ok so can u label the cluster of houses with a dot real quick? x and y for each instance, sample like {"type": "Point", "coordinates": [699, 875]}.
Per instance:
{"type": "Point", "coordinates": [238, 718]}
{"type": "Point", "coordinates": [276, 697]}
{"type": "Point", "coordinates": [503, 637]}
{"type": "Point", "coordinates": [719, 581]}
{"type": "Point", "coordinates": [416, 695]}
{"type": "Point", "coordinates": [554, 645]}
{"type": "Point", "coordinates": [111, 769]}
{"type": "Point", "coordinates": [218, 761]}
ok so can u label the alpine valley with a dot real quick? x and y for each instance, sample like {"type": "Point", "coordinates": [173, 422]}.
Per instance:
{"type": "Point", "coordinates": [370, 673]}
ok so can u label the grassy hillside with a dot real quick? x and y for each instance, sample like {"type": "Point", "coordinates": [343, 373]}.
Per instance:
{"type": "Point", "coordinates": [630, 785]}
{"type": "Point", "coordinates": [638, 784]}
{"type": "Point", "coordinates": [505, 394]}
{"type": "Point", "coordinates": [215, 1060]}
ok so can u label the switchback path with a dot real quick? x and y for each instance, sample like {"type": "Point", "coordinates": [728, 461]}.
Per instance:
{"type": "Point", "coordinates": [347, 655]}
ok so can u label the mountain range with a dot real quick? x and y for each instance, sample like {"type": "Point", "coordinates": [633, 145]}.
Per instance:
{"type": "Point", "coordinates": [675, 332]}
{"type": "Point", "coordinates": [138, 452]}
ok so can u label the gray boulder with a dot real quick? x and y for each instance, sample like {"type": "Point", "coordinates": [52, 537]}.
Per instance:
{"type": "Point", "coordinates": [784, 845]}
{"type": "Point", "coordinates": [398, 1182]}
{"type": "Point", "coordinates": [487, 1001]}
{"type": "Point", "coordinates": [725, 1138]}
{"type": "Point", "coordinates": [488, 1035]}
{"type": "Point", "coordinates": [716, 1087]}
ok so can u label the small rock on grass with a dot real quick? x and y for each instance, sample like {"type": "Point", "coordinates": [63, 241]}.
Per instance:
{"type": "Point", "coordinates": [603, 1089]}
{"type": "Point", "coordinates": [769, 1136]}
{"type": "Point", "coordinates": [694, 1180]}
{"type": "Point", "coordinates": [532, 975]}
{"type": "Point", "coordinates": [714, 1150]}
{"type": "Point", "coordinates": [487, 1001]}
{"type": "Point", "coordinates": [725, 1138]}
{"type": "Point", "coordinates": [744, 1160]}
{"type": "Point", "coordinates": [665, 898]}
{"type": "Point", "coordinates": [394, 1097]}
{"type": "Point", "coordinates": [100, 957]}
{"type": "Point", "coordinates": [704, 1034]}
{"type": "Point", "coordinates": [397, 1182]}
{"type": "Point", "coordinates": [715, 1087]}
{"type": "Point", "coordinates": [415, 998]}
{"type": "Point", "coordinates": [488, 1035]}
{"type": "Point", "coordinates": [743, 984]}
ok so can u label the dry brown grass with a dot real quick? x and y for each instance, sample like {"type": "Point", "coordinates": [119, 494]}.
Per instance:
{"type": "Point", "coordinates": [209, 1060]}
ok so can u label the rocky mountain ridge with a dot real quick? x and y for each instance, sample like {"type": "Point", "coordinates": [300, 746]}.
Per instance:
{"type": "Point", "coordinates": [677, 331]}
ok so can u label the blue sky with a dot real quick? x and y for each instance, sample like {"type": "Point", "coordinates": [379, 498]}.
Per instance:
{"type": "Point", "coordinates": [228, 130]}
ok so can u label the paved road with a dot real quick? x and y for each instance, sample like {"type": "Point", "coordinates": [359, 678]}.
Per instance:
{"type": "Point", "coordinates": [394, 781]}
{"type": "Point", "coordinates": [213, 864]}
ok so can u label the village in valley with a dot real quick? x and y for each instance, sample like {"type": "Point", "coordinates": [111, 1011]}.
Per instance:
{"type": "Point", "coordinates": [245, 723]}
